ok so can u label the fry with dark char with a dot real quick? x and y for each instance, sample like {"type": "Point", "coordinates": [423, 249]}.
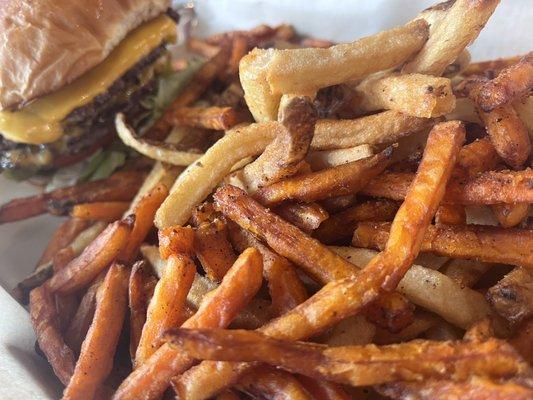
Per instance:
{"type": "Point", "coordinates": [337, 181]}
{"type": "Point", "coordinates": [98, 348]}
{"type": "Point", "coordinates": [217, 118]}
{"type": "Point", "coordinates": [478, 242]}
{"type": "Point", "coordinates": [513, 82]}
{"type": "Point", "coordinates": [348, 296]}
{"type": "Point", "coordinates": [108, 211]}
{"type": "Point", "coordinates": [218, 309]}
{"type": "Point", "coordinates": [45, 322]}
{"type": "Point", "coordinates": [269, 383]}
{"type": "Point", "coordinates": [413, 361]}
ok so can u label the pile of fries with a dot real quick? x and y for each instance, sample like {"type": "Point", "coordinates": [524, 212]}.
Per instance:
{"type": "Point", "coordinates": [372, 198]}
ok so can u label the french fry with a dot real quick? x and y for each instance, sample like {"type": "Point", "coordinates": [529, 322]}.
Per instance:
{"type": "Point", "coordinates": [448, 38]}
{"type": "Point", "coordinates": [331, 158]}
{"type": "Point", "coordinates": [521, 340]}
{"type": "Point", "coordinates": [465, 272]}
{"type": "Point", "coordinates": [239, 48]}
{"type": "Point", "coordinates": [460, 64]}
{"type": "Point", "coordinates": [478, 156]}
{"type": "Point", "coordinates": [101, 211]}
{"type": "Point", "coordinates": [240, 284]}
{"type": "Point", "coordinates": [144, 213]}
{"type": "Point", "coordinates": [283, 156]}
{"type": "Point", "coordinates": [513, 82]}
{"type": "Point", "coordinates": [478, 242]}
{"type": "Point", "coordinates": [217, 118]}
{"type": "Point", "coordinates": [355, 330]}
{"type": "Point", "coordinates": [140, 290]}
{"type": "Point", "coordinates": [253, 36]}
{"type": "Point", "coordinates": [524, 108]}
{"type": "Point", "coordinates": [492, 187]}
{"type": "Point", "coordinates": [98, 348]}
{"type": "Point", "coordinates": [266, 382]}
{"type": "Point", "coordinates": [510, 215]}
{"type": "Point", "coordinates": [492, 67]}
{"type": "Point", "coordinates": [93, 260]}
{"type": "Point", "coordinates": [337, 181]}
{"type": "Point", "coordinates": [512, 296]}
{"type": "Point", "coordinates": [176, 240]}
{"type": "Point", "coordinates": [202, 47]}
{"type": "Point", "coordinates": [413, 361]}
{"type": "Point", "coordinates": [45, 323]}
{"type": "Point", "coordinates": [306, 216]}
{"type": "Point", "coordinates": [341, 226]}
{"type": "Point", "coordinates": [337, 204]}
{"type": "Point", "coordinates": [412, 94]}
{"type": "Point", "coordinates": [323, 390]}
{"type": "Point", "coordinates": [166, 308]}
{"type": "Point", "coordinates": [228, 395]}
{"type": "Point", "coordinates": [450, 214]}
{"type": "Point", "coordinates": [422, 322]}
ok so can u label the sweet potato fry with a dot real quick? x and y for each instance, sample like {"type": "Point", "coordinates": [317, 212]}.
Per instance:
{"type": "Point", "coordinates": [492, 187]}
{"type": "Point", "coordinates": [176, 240]}
{"type": "Point", "coordinates": [478, 156]}
{"type": "Point", "coordinates": [412, 94]}
{"type": "Point", "coordinates": [459, 26]}
{"type": "Point", "coordinates": [266, 382]}
{"type": "Point", "coordinates": [93, 260]}
{"type": "Point", "coordinates": [512, 83]}
{"type": "Point", "coordinates": [166, 309]}
{"type": "Point", "coordinates": [240, 284]}
{"type": "Point", "coordinates": [282, 157]}
{"type": "Point", "coordinates": [510, 215]}
{"type": "Point", "coordinates": [144, 213]}
{"type": "Point", "coordinates": [337, 181]}
{"type": "Point", "coordinates": [217, 118]}
{"type": "Point", "coordinates": [45, 323]}
{"type": "Point", "coordinates": [98, 348]}
{"type": "Point", "coordinates": [512, 297]}
{"type": "Point", "coordinates": [413, 361]}
{"type": "Point", "coordinates": [450, 214]}
{"type": "Point", "coordinates": [341, 226]}
{"type": "Point", "coordinates": [306, 216]}
{"type": "Point", "coordinates": [108, 211]}
{"type": "Point", "coordinates": [478, 242]}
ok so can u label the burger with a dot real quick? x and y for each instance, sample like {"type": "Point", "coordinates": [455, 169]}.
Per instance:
{"type": "Point", "coordinates": [67, 67]}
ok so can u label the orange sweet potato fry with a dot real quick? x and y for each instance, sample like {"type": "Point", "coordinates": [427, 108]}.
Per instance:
{"type": "Point", "coordinates": [108, 211]}
{"type": "Point", "coordinates": [176, 240]}
{"type": "Point", "coordinates": [93, 260]}
{"type": "Point", "coordinates": [98, 348]}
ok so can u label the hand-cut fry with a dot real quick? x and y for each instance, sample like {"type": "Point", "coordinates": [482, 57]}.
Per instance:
{"type": "Point", "coordinates": [490, 67]}
{"type": "Point", "coordinates": [478, 156]}
{"type": "Point", "coordinates": [217, 118]}
{"type": "Point", "coordinates": [448, 38]}
{"type": "Point", "coordinates": [266, 382]}
{"type": "Point", "coordinates": [306, 216]}
{"type": "Point", "coordinates": [108, 211]}
{"type": "Point", "coordinates": [337, 181]}
{"type": "Point", "coordinates": [331, 158]}
{"type": "Point", "coordinates": [341, 226]}
{"type": "Point", "coordinates": [166, 309]}
{"type": "Point", "coordinates": [478, 242]}
{"type": "Point", "coordinates": [140, 290]}
{"type": "Point", "coordinates": [512, 297]}
{"type": "Point", "coordinates": [450, 214]}
{"type": "Point", "coordinates": [213, 249]}
{"type": "Point", "coordinates": [323, 390]}
{"type": "Point", "coordinates": [474, 388]}
{"type": "Point", "coordinates": [267, 74]}
{"type": "Point", "coordinates": [240, 284]}
{"type": "Point", "coordinates": [460, 64]}
{"type": "Point", "coordinates": [121, 186]}
{"type": "Point", "coordinates": [465, 272]}
{"type": "Point", "coordinates": [239, 48]}
{"type": "Point", "coordinates": [413, 361]}
{"type": "Point", "coordinates": [285, 287]}
{"type": "Point", "coordinates": [354, 330]}
{"type": "Point", "coordinates": [512, 83]}
{"type": "Point", "coordinates": [176, 240]}
{"type": "Point", "coordinates": [93, 260]}
{"type": "Point", "coordinates": [98, 348]}
{"type": "Point", "coordinates": [382, 128]}
{"type": "Point", "coordinates": [412, 94]}
{"type": "Point", "coordinates": [45, 323]}
{"type": "Point", "coordinates": [510, 215]}
{"type": "Point", "coordinates": [524, 108]}
{"type": "Point", "coordinates": [283, 156]}
{"type": "Point", "coordinates": [492, 187]}
{"type": "Point", "coordinates": [421, 323]}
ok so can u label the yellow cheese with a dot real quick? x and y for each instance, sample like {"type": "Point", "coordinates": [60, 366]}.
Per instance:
{"type": "Point", "coordinates": [40, 121]}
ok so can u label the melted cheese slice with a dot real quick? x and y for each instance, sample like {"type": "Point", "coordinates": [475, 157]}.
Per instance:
{"type": "Point", "coordinates": [40, 121]}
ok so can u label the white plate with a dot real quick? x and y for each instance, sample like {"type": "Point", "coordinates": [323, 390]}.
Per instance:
{"type": "Point", "coordinates": [24, 375]}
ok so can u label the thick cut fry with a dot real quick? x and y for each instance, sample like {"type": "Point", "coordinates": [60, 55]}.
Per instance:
{"type": "Point", "coordinates": [176, 240]}
{"type": "Point", "coordinates": [166, 309]}
{"type": "Point", "coordinates": [306, 216]}
{"type": "Point", "coordinates": [217, 118]}
{"type": "Point", "coordinates": [341, 226]}
{"type": "Point", "coordinates": [492, 187]}
{"type": "Point", "coordinates": [140, 290]}
{"type": "Point", "coordinates": [101, 211]}
{"type": "Point", "coordinates": [490, 67]}
{"type": "Point", "coordinates": [413, 361]}
{"type": "Point", "coordinates": [121, 186]}
{"type": "Point", "coordinates": [331, 158]}
{"type": "Point", "coordinates": [283, 156]}
{"type": "Point", "coordinates": [240, 284]}
{"type": "Point", "coordinates": [45, 322]}
{"type": "Point", "coordinates": [337, 181]}
{"type": "Point", "coordinates": [98, 348]}
{"type": "Point", "coordinates": [512, 297]}
{"type": "Point", "coordinates": [510, 215]}
{"type": "Point", "coordinates": [478, 156]}
{"type": "Point", "coordinates": [412, 94]}
{"type": "Point", "coordinates": [269, 383]}
{"type": "Point", "coordinates": [478, 242]}
{"type": "Point", "coordinates": [474, 389]}
{"type": "Point", "coordinates": [448, 38]}
{"type": "Point", "coordinates": [93, 260]}
{"type": "Point", "coordinates": [512, 83]}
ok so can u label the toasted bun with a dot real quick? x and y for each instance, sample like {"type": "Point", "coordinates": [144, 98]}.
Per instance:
{"type": "Point", "coordinates": [45, 44]}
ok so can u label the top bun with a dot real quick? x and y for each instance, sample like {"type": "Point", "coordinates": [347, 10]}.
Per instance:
{"type": "Point", "coordinates": [46, 44]}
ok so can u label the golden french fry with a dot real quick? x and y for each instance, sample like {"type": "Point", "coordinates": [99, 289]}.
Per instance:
{"type": "Point", "coordinates": [268, 383]}
{"type": "Point", "coordinates": [450, 214]}
{"type": "Point", "coordinates": [510, 215]}
{"type": "Point", "coordinates": [490, 67]}
{"type": "Point", "coordinates": [422, 322]}
{"type": "Point", "coordinates": [108, 211]}
{"type": "Point", "coordinates": [176, 240]}
{"type": "Point", "coordinates": [306, 216]}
